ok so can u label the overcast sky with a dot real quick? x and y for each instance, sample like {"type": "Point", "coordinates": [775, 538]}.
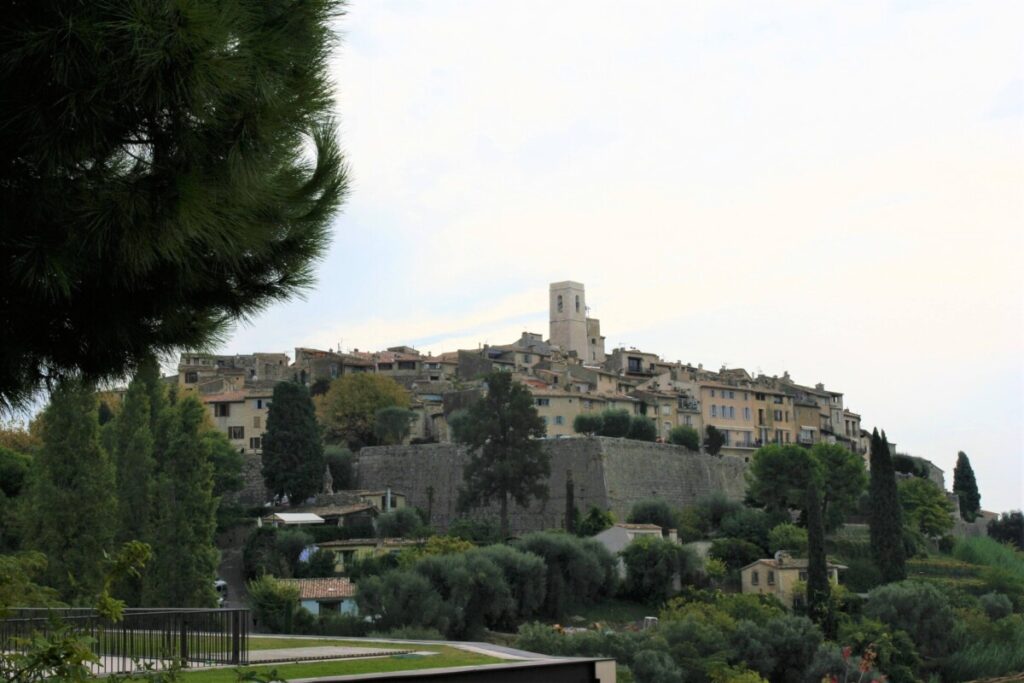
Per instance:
{"type": "Point", "coordinates": [832, 189]}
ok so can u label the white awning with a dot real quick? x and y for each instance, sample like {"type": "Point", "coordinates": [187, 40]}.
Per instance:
{"type": "Point", "coordinates": [297, 518]}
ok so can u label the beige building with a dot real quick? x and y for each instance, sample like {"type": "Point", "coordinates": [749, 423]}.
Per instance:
{"type": "Point", "coordinates": [570, 328]}
{"type": "Point", "coordinates": [242, 416]}
{"type": "Point", "coordinates": [784, 577]}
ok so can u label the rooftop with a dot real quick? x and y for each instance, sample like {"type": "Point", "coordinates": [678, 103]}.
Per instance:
{"type": "Point", "coordinates": [320, 589]}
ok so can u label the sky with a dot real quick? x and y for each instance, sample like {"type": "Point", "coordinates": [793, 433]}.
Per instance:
{"type": "Point", "coordinates": [833, 189]}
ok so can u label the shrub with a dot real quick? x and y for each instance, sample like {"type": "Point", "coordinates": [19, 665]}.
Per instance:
{"type": "Point", "coordinates": [735, 552]}
{"type": "Point", "coordinates": [289, 544]}
{"type": "Point", "coordinates": [260, 556]}
{"type": "Point", "coordinates": [399, 599]}
{"type": "Point", "coordinates": [893, 651]}
{"type": "Point", "coordinates": [358, 569]}
{"type": "Point", "coordinates": [642, 429]}
{"type": "Point", "coordinates": [653, 565]}
{"type": "Point", "coordinates": [685, 436]}
{"type": "Point", "coordinates": [655, 666]}
{"type": "Point", "coordinates": [473, 590]}
{"type": "Point", "coordinates": [588, 423]}
{"type": "Point", "coordinates": [482, 530]}
{"type": "Point", "coordinates": [748, 524]}
{"type": "Point", "coordinates": [594, 522]}
{"type": "Point", "coordinates": [995, 654]}
{"type": "Point", "coordinates": [403, 523]}
{"type": "Point", "coordinates": [996, 605]}
{"type": "Point", "coordinates": [784, 648]}
{"type": "Point", "coordinates": [714, 439]}
{"type": "Point", "coordinates": [1008, 528]}
{"type": "Point", "coordinates": [320, 564]}
{"type": "Point", "coordinates": [789, 537]}
{"type": "Point", "coordinates": [653, 511]}
{"type": "Point", "coordinates": [714, 508]}
{"type": "Point", "coordinates": [861, 574]}
{"type": "Point", "coordinates": [346, 625]}
{"type": "Point", "coordinates": [526, 576]}
{"type": "Point", "coordinates": [615, 423]}
{"type": "Point", "coordinates": [273, 604]}
{"type": "Point", "coordinates": [578, 570]}
{"type": "Point", "coordinates": [341, 463]}
{"type": "Point", "coordinates": [918, 608]}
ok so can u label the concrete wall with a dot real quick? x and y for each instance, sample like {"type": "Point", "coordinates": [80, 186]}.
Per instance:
{"type": "Point", "coordinates": [607, 473]}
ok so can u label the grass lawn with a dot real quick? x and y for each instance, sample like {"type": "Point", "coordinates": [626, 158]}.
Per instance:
{"type": "Point", "coordinates": [446, 656]}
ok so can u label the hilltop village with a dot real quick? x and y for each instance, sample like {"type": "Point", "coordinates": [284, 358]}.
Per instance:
{"type": "Point", "coordinates": [569, 373]}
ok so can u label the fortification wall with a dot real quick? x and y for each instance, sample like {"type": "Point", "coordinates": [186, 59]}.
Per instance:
{"type": "Point", "coordinates": [607, 473]}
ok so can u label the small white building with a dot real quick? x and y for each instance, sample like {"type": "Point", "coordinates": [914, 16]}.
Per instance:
{"type": "Point", "coordinates": [290, 519]}
{"type": "Point", "coordinates": [616, 538]}
{"type": "Point", "coordinates": [326, 596]}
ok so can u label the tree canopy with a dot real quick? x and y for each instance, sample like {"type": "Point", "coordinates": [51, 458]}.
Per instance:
{"type": "Point", "coordinates": [293, 457]}
{"type": "Point", "coordinates": [154, 179]}
{"type": "Point", "coordinates": [966, 488]}
{"type": "Point", "coordinates": [925, 508]}
{"type": "Point", "coordinates": [507, 460]}
{"type": "Point", "coordinates": [885, 521]}
{"type": "Point", "coordinates": [348, 411]}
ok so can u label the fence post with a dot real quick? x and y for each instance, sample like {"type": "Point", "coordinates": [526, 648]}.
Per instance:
{"type": "Point", "coordinates": [183, 643]}
{"type": "Point", "coordinates": [236, 637]}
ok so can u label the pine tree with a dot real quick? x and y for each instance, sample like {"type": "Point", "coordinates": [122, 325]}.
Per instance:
{"type": "Point", "coordinates": [184, 562]}
{"type": "Point", "coordinates": [886, 515]}
{"type": "Point", "coordinates": [818, 587]}
{"type": "Point", "coordinates": [293, 455]}
{"type": "Point", "coordinates": [506, 457]}
{"type": "Point", "coordinates": [134, 469]}
{"type": "Point", "coordinates": [155, 175]}
{"type": "Point", "coordinates": [966, 488]}
{"type": "Point", "coordinates": [72, 504]}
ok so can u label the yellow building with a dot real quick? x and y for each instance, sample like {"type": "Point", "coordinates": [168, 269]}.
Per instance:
{"type": "Point", "coordinates": [784, 577]}
{"type": "Point", "coordinates": [355, 549]}
{"type": "Point", "coordinates": [242, 416]}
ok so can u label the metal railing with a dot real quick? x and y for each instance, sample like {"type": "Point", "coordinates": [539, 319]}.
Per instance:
{"type": "Point", "coordinates": [145, 637]}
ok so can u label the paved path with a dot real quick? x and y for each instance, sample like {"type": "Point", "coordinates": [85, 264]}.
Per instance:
{"type": "Point", "coordinates": [305, 654]}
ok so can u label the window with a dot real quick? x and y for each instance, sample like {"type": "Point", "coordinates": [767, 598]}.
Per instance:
{"type": "Point", "coordinates": [255, 421]}
{"type": "Point", "coordinates": [712, 393]}
{"type": "Point", "coordinates": [803, 576]}
{"type": "Point", "coordinates": [732, 412]}
{"type": "Point", "coordinates": [758, 397]}
{"type": "Point", "coordinates": [577, 303]}
{"type": "Point", "coordinates": [545, 418]}
{"type": "Point", "coordinates": [559, 303]}
{"type": "Point", "coordinates": [732, 394]}
{"type": "Point", "coordinates": [527, 358]}
{"type": "Point", "coordinates": [593, 340]}
{"type": "Point", "coordinates": [384, 366]}
{"type": "Point", "coordinates": [755, 578]}
{"type": "Point", "coordinates": [777, 399]}
{"type": "Point", "coordinates": [787, 416]}
{"type": "Point", "coordinates": [191, 377]}
{"type": "Point", "coordinates": [746, 413]}
{"type": "Point", "coordinates": [666, 410]}
{"type": "Point", "coordinates": [559, 420]}
{"type": "Point", "coordinates": [406, 365]}
{"type": "Point", "coordinates": [222, 410]}
{"type": "Point", "coordinates": [745, 396]}
{"type": "Point", "coordinates": [635, 364]}
{"type": "Point", "coordinates": [777, 414]}
{"type": "Point", "coordinates": [543, 401]}
{"type": "Point", "coordinates": [714, 410]}
{"type": "Point", "coordinates": [255, 443]}
{"type": "Point", "coordinates": [688, 421]}
{"type": "Point", "coordinates": [587, 404]}
{"type": "Point", "coordinates": [236, 432]}
{"type": "Point", "coordinates": [771, 577]}
{"type": "Point", "coordinates": [259, 404]}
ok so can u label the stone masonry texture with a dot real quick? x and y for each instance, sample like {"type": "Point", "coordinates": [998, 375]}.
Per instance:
{"type": "Point", "coordinates": [608, 473]}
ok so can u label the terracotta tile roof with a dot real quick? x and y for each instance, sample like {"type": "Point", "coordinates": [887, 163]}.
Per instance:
{"type": "Point", "coordinates": [791, 563]}
{"type": "Point", "coordinates": [322, 589]}
{"type": "Point", "coordinates": [640, 527]}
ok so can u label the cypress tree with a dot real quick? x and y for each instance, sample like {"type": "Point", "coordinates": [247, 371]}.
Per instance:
{"type": "Point", "coordinates": [818, 587]}
{"type": "Point", "coordinates": [293, 455]}
{"type": "Point", "coordinates": [886, 516]}
{"type": "Point", "coordinates": [157, 179]}
{"type": "Point", "coordinates": [966, 488]}
{"type": "Point", "coordinates": [134, 469]}
{"type": "Point", "coordinates": [184, 562]}
{"type": "Point", "coordinates": [72, 505]}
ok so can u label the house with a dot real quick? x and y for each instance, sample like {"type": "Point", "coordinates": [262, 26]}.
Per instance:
{"type": "Point", "coordinates": [353, 515]}
{"type": "Point", "coordinates": [326, 596]}
{"type": "Point", "coordinates": [783, 576]}
{"type": "Point", "coordinates": [615, 538]}
{"type": "Point", "coordinates": [355, 549]}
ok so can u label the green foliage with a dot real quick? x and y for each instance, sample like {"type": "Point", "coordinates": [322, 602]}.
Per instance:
{"type": "Point", "coordinates": [526, 576]}
{"type": "Point", "coordinates": [998, 652]}
{"type": "Point", "coordinates": [714, 439]}
{"type": "Point", "coordinates": [996, 605]}
{"type": "Point", "coordinates": [653, 565]}
{"type": "Point", "coordinates": [507, 460]}
{"type": "Point", "coordinates": [685, 436]}
{"type": "Point", "coordinates": [181, 198]}
{"type": "Point", "coordinates": [885, 519]}
{"type": "Point", "coordinates": [891, 651]}
{"type": "Point", "coordinates": [72, 514]}
{"type": "Point", "coordinates": [779, 475]}
{"type": "Point", "coordinates": [655, 666]}
{"type": "Point", "coordinates": [989, 552]}
{"type": "Point", "coordinates": [14, 467]}
{"type": "Point", "coordinates": [588, 423]}
{"type": "Point", "coordinates": [642, 429]}
{"type": "Point", "coordinates": [966, 488]}
{"type": "Point", "coordinates": [578, 570]}
{"type": "Point", "coordinates": [712, 509]}
{"type": "Point", "coordinates": [480, 530]}
{"type": "Point", "coordinates": [348, 411]}
{"type": "Point", "coordinates": [615, 423]}
{"type": "Point", "coordinates": [917, 608]}
{"type": "Point", "coordinates": [818, 587]}
{"type": "Point", "coordinates": [925, 508]}
{"type": "Point", "coordinates": [260, 556]}
{"type": "Point", "coordinates": [273, 603]}
{"type": "Point", "coordinates": [908, 464]}
{"type": "Point", "coordinates": [735, 552]}
{"type": "Point", "coordinates": [594, 522]}
{"type": "Point", "coordinates": [341, 463]}
{"type": "Point", "coordinates": [781, 650]}
{"type": "Point", "coordinates": [1008, 528]}
{"type": "Point", "coordinates": [226, 461]}
{"type": "Point", "coordinates": [653, 511]}
{"type": "Point", "coordinates": [19, 574]}
{"type": "Point", "coordinates": [401, 599]}
{"type": "Point", "coordinates": [289, 544]}
{"type": "Point", "coordinates": [319, 565]}
{"type": "Point", "coordinates": [185, 558]}
{"type": "Point", "coordinates": [473, 590]}
{"type": "Point", "coordinates": [293, 457]}
{"type": "Point", "coordinates": [748, 524]}
{"type": "Point", "coordinates": [789, 537]}
{"type": "Point", "coordinates": [844, 479]}
{"type": "Point", "coordinates": [402, 523]}
{"type": "Point", "coordinates": [392, 425]}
